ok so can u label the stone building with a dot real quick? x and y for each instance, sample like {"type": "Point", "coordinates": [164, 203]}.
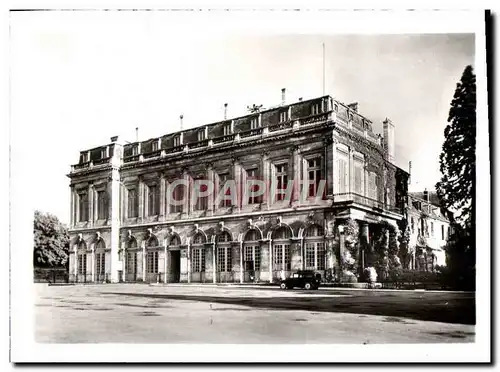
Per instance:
{"type": "Point", "coordinates": [133, 217]}
{"type": "Point", "coordinates": [429, 227]}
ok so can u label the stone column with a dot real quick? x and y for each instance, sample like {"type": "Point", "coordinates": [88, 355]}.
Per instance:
{"type": "Point", "coordinates": [114, 217]}
{"type": "Point", "coordinates": [364, 246]}
{"type": "Point", "coordinates": [72, 206]}
{"type": "Point", "coordinates": [90, 206]}
{"type": "Point", "coordinates": [241, 262]}
{"type": "Point", "coordinates": [270, 243]}
{"type": "Point", "coordinates": [214, 267]}
{"type": "Point", "coordinates": [92, 263]}
{"type": "Point", "coordinates": [189, 261]}
{"type": "Point", "coordinates": [165, 261]}
{"type": "Point", "coordinates": [297, 163]}
{"type": "Point", "coordinates": [211, 196]}
{"type": "Point", "coordinates": [140, 195]}
{"type": "Point", "coordinates": [266, 177]}
{"type": "Point", "coordinates": [162, 198]}
{"type": "Point", "coordinates": [144, 258]}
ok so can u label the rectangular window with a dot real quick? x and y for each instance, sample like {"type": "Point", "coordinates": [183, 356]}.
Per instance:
{"type": "Point", "coordinates": [224, 259]}
{"type": "Point", "coordinates": [310, 257]}
{"type": "Point", "coordinates": [102, 205]}
{"type": "Point", "coordinates": [254, 123]}
{"type": "Point", "coordinates": [372, 186]}
{"type": "Point", "coordinates": [315, 256]}
{"type": "Point", "coordinates": [343, 184]}
{"type": "Point", "coordinates": [135, 150]}
{"type": "Point", "coordinates": [358, 179]}
{"type": "Point", "coordinates": [315, 109]}
{"type": "Point", "coordinates": [227, 129]}
{"type": "Point", "coordinates": [104, 153]}
{"type": "Point", "coordinates": [320, 252]}
{"type": "Point", "coordinates": [152, 263]}
{"type": "Point", "coordinates": [432, 228]}
{"type": "Point", "coordinates": [252, 258]}
{"type": "Point", "coordinates": [154, 146]}
{"type": "Point", "coordinates": [223, 178]}
{"type": "Point", "coordinates": [131, 262]}
{"type": "Point", "coordinates": [177, 141]}
{"type": "Point", "coordinates": [153, 200]}
{"type": "Point", "coordinates": [177, 195]}
{"type": "Point", "coordinates": [198, 260]}
{"type": "Point", "coordinates": [84, 157]}
{"type": "Point", "coordinates": [202, 202]}
{"type": "Point", "coordinates": [252, 174]}
{"type": "Point", "coordinates": [201, 135]}
{"type": "Point", "coordinates": [281, 257]}
{"type": "Point", "coordinates": [133, 202]}
{"type": "Point", "coordinates": [442, 232]}
{"type": "Point", "coordinates": [281, 180]}
{"type": "Point", "coordinates": [283, 116]}
{"type": "Point", "coordinates": [313, 176]}
{"type": "Point", "coordinates": [100, 263]}
{"type": "Point", "coordinates": [82, 264]}
{"type": "Point", "coordinates": [83, 207]}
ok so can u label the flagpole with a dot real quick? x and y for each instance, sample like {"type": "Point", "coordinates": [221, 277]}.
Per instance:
{"type": "Point", "coordinates": [323, 68]}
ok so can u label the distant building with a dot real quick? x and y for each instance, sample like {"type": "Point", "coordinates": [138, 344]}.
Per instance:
{"type": "Point", "coordinates": [127, 224]}
{"type": "Point", "coordinates": [430, 229]}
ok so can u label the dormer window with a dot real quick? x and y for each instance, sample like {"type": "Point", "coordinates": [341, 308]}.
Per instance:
{"type": "Point", "coordinates": [336, 107]}
{"type": "Point", "coordinates": [103, 153]}
{"type": "Point", "coordinates": [177, 141]}
{"type": "Point", "coordinates": [283, 116]}
{"type": "Point", "coordinates": [315, 109]}
{"type": "Point", "coordinates": [351, 117]}
{"type": "Point", "coordinates": [135, 150]}
{"type": "Point", "coordinates": [254, 123]}
{"type": "Point", "coordinates": [154, 146]}
{"type": "Point", "coordinates": [83, 157]}
{"type": "Point", "coordinates": [227, 129]}
{"type": "Point", "coordinates": [201, 135]}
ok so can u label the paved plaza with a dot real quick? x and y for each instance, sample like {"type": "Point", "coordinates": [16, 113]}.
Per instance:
{"type": "Point", "coordinates": [140, 313]}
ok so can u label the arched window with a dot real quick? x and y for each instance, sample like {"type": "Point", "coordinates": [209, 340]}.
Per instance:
{"type": "Point", "coordinates": [82, 257]}
{"type": "Point", "coordinates": [224, 257]}
{"type": "Point", "coordinates": [281, 248]}
{"type": "Point", "coordinates": [175, 240]}
{"type": "Point", "coordinates": [100, 260]}
{"type": "Point", "coordinates": [314, 248]}
{"type": "Point", "coordinates": [198, 253]}
{"type": "Point", "coordinates": [152, 255]}
{"type": "Point", "coordinates": [224, 237]}
{"type": "Point", "coordinates": [131, 257]}
{"type": "Point", "coordinates": [251, 249]}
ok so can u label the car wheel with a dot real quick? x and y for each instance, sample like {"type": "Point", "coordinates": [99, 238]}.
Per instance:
{"type": "Point", "coordinates": [308, 286]}
{"type": "Point", "coordinates": [283, 286]}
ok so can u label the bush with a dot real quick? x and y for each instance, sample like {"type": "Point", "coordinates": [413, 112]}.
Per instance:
{"type": "Point", "coordinates": [370, 274]}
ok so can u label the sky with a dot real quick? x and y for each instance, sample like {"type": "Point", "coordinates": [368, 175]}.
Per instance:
{"type": "Point", "coordinates": [78, 79]}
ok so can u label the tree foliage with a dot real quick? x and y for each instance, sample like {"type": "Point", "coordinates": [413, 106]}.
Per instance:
{"type": "Point", "coordinates": [51, 241]}
{"type": "Point", "coordinates": [456, 188]}
{"type": "Point", "coordinates": [458, 156]}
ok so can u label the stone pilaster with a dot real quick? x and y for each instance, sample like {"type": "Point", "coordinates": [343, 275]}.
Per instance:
{"type": "Point", "coordinates": [114, 217]}
{"type": "Point", "coordinates": [90, 206]}
{"type": "Point", "coordinates": [211, 197]}
{"type": "Point", "coordinates": [296, 169]}
{"type": "Point", "coordinates": [141, 196]}
{"type": "Point", "coordinates": [268, 178]}
{"type": "Point", "coordinates": [162, 198]}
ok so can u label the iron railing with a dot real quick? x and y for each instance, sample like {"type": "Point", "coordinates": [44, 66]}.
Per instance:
{"type": "Point", "coordinates": [366, 201]}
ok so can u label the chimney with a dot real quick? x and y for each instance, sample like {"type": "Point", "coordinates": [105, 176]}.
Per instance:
{"type": "Point", "coordinates": [353, 106]}
{"type": "Point", "coordinates": [300, 99]}
{"type": "Point", "coordinates": [136, 134]}
{"type": "Point", "coordinates": [389, 139]}
{"type": "Point", "coordinates": [182, 117]}
{"type": "Point", "coordinates": [225, 111]}
{"type": "Point", "coordinates": [283, 96]}
{"type": "Point", "coordinates": [114, 139]}
{"type": "Point", "coordinates": [426, 195]}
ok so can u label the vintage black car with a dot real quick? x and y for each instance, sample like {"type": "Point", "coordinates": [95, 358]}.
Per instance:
{"type": "Point", "coordinates": [302, 279]}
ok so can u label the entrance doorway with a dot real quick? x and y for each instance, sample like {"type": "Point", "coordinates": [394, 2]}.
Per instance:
{"type": "Point", "coordinates": [175, 266]}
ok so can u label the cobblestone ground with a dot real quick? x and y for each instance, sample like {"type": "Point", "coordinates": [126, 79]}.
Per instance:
{"type": "Point", "coordinates": [139, 313]}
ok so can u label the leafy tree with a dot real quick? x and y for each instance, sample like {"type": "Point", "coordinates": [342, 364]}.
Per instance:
{"type": "Point", "coordinates": [458, 156]}
{"type": "Point", "coordinates": [51, 241]}
{"type": "Point", "coordinates": [456, 188]}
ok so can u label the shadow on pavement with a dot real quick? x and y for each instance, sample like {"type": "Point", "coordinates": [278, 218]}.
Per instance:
{"type": "Point", "coordinates": [449, 309]}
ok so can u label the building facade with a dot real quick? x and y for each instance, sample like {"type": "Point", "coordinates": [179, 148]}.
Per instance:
{"type": "Point", "coordinates": [429, 227]}
{"type": "Point", "coordinates": [140, 212]}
